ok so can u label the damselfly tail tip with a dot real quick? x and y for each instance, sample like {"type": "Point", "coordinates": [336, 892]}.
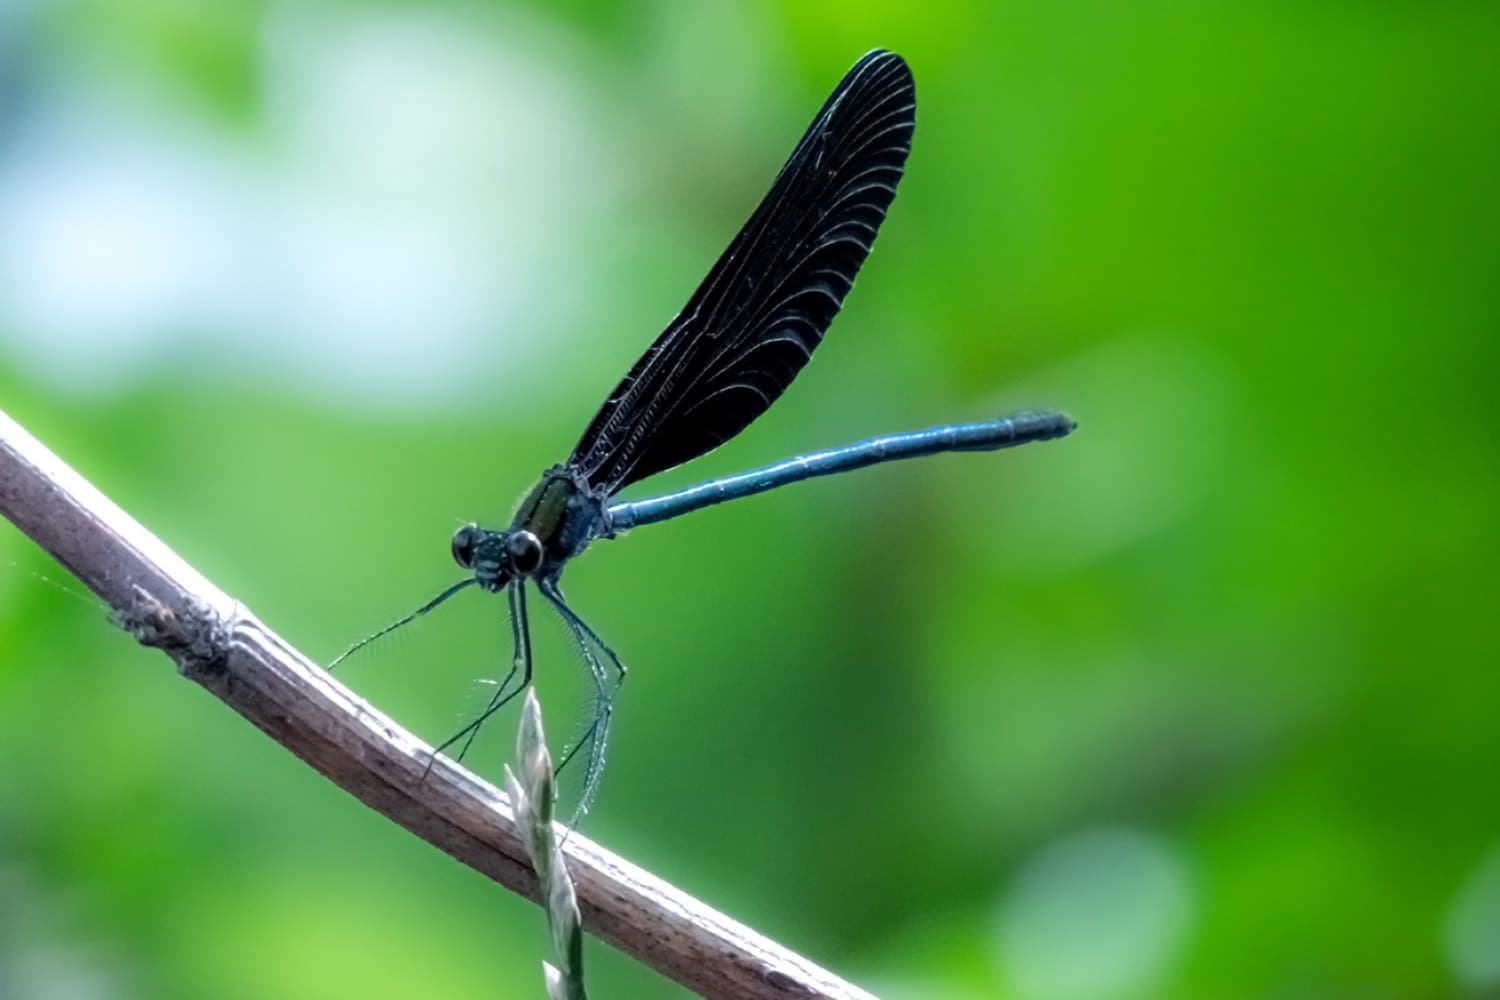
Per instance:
{"type": "Point", "coordinates": [1042, 425]}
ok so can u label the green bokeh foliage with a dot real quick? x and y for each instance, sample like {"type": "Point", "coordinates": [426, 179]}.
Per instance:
{"type": "Point", "coordinates": [1249, 608]}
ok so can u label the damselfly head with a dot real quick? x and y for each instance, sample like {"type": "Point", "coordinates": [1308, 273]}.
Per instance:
{"type": "Point", "coordinates": [497, 556]}
{"type": "Point", "coordinates": [486, 553]}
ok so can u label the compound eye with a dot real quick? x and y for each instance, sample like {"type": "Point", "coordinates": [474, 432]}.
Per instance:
{"type": "Point", "coordinates": [463, 545]}
{"type": "Point", "coordinates": [525, 551]}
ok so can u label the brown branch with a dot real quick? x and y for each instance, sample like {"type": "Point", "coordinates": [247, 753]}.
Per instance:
{"type": "Point", "coordinates": [216, 642]}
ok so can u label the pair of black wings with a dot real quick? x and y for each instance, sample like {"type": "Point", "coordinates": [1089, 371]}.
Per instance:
{"type": "Point", "coordinates": [753, 323]}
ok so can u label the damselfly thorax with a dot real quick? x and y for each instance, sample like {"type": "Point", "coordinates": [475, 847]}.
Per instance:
{"type": "Point", "coordinates": [554, 522]}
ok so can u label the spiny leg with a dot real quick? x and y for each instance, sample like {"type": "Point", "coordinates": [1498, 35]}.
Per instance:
{"type": "Point", "coordinates": [597, 734]}
{"type": "Point", "coordinates": [520, 637]}
{"type": "Point", "coordinates": [587, 640]}
{"type": "Point", "coordinates": [599, 724]}
{"type": "Point", "coordinates": [553, 593]}
{"type": "Point", "coordinates": [361, 644]}
{"type": "Point", "coordinates": [520, 633]}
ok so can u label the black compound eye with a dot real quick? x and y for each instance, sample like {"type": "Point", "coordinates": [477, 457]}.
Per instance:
{"type": "Point", "coordinates": [525, 551]}
{"type": "Point", "coordinates": [463, 545]}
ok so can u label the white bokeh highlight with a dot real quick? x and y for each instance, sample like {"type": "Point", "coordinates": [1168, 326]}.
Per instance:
{"type": "Point", "coordinates": [404, 217]}
{"type": "Point", "coordinates": [1098, 914]}
{"type": "Point", "coordinates": [1471, 932]}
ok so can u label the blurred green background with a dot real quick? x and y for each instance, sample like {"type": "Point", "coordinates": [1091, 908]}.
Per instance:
{"type": "Point", "coordinates": [1200, 702]}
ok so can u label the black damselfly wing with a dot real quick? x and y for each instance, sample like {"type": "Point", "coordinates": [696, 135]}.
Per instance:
{"type": "Point", "coordinates": [754, 322]}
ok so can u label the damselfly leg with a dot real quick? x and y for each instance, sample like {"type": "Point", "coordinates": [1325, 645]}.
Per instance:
{"type": "Point", "coordinates": [596, 736]}
{"type": "Point", "coordinates": [400, 622]}
{"type": "Point", "coordinates": [520, 634]}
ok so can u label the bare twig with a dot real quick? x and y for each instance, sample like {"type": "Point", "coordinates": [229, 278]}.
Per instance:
{"type": "Point", "coordinates": [216, 642]}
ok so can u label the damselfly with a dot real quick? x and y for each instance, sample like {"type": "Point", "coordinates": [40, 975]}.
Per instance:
{"type": "Point", "coordinates": [735, 347]}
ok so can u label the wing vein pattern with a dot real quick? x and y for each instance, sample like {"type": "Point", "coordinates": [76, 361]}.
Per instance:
{"type": "Point", "coordinates": [754, 321]}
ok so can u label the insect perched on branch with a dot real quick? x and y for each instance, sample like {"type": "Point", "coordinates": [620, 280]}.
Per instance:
{"type": "Point", "coordinates": [731, 352]}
